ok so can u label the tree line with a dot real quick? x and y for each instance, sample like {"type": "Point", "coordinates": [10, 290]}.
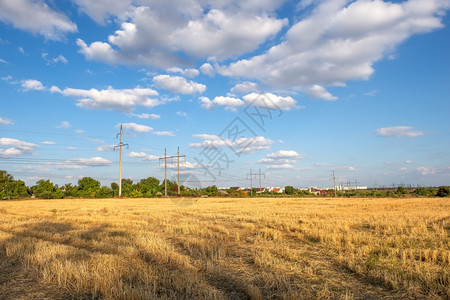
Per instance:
{"type": "Point", "coordinates": [88, 187]}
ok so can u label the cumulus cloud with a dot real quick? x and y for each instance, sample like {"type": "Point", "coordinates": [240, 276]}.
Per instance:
{"type": "Point", "coordinates": [398, 132]}
{"type": "Point", "coordinates": [147, 116]}
{"type": "Point", "coordinates": [32, 84]}
{"type": "Point", "coordinates": [282, 166]}
{"type": "Point", "coordinates": [240, 145]}
{"type": "Point", "coordinates": [100, 10]}
{"type": "Point", "coordinates": [135, 127]}
{"type": "Point", "coordinates": [283, 159]}
{"type": "Point", "coordinates": [5, 122]}
{"type": "Point", "coordinates": [228, 102]}
{"type": "Point", "coordinates": [48, 143]}
{"type": "Point", "coordinates": [245, 87]}
{"type": "Point", "coordinates": [179, 85]}
{"type": "Point", "coordinates": [158, 33]}
{"type": "Point", "coordinates": [35, 16]}
{"type": "Point", "coordinates": [124, 100]}
{"type": "Point", "coordinates": [83, 163]}
{"type": "Point", "coordinates": [318, 92]}
{"type": "Point", "coordinates": [338, 41]}
{"type": "Point", "coordinates": [265, 100]}
{"type": "Point", "coordinates": [190, 73]}
{"type": "Point", "coordinates": [270, 100]}
{"type": "Point", "coordinates": [15, 147]}
{"type": "Point", "coordinates": [105, 148]}
{"type": "Point", "coordinates": [426, 171]}
{"type": "Point", "coordinates": [142, 156]}
{"type": "Point", "coordinates": [207, 69]}
{"type": "Point", "coordinates": [164, 133]}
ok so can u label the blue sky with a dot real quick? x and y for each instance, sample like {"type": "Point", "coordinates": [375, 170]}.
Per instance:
{"type": "Point", "coordinates": [360, 88]}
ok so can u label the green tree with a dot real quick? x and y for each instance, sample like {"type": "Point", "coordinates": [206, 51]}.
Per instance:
{"type": "Point", "coordinates": [104, 192]}
{"type": "Point", "coordinates": [127, 187]}
{"type": "Point", "coordinates": [401, 190]}
{"type": "Point", "coordinates": [88, 187]}
{"type": "Point", "coordinates": [149, 186]}
{"type": "Point", "coordinates": [44, 189]}
{"type": "Point", "coordinates": [212, 191]}
{"type": "Point", "coordinates": [443, 191]}
{"type": "Point", "coordinates": [10, 188]}
{"type": "Point", "coordinates": [289, 190]}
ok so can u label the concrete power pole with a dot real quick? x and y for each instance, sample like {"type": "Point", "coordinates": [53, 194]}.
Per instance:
{"type": "Point", "coordinates": [121, 144]}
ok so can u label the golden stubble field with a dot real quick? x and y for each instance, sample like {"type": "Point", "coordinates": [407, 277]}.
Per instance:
{"type": "Point", "coordinates": [223, 248]}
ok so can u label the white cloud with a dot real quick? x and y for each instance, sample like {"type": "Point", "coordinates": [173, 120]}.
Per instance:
{"type": "Point", "coordinates": [105, 148]}
{"type": "Point", "coordinates": [111, 99]}
{"type": "Point", "coordinates": [182, 114]}
{"type": "Point", "coordinates": [339, 41]}
{"type": "Point", "coordinates": [206, 103]}
{"type": "Point", "coordinates": [190, 73]}
{"type": "Point", "coordinates": [72, 148]}
{"type": "Point", "coordinates": [64, 125]}
{"type": "Point", "coordinates": [282, 159]}
{"type": "Point", "coordinates": [285, 154]}
{"type": "Point", "coordinates": [266, 100]}
{"type": "Point", "coordinates": [48, 143]}
{"type": "Point", "coordinates": [21, 50]}
{"type": "Point", "coordinates": [147, 116]}
{"type": "Point", "coordinates": [32, 84]}
{"type": "Point", "coordinates": [55, 89]}
{"type": "Point", "coordinates": [179, 85]}
{"type": "Point", "coordinates": [408, 162]}
{"type": "Point", "coordinates": [164, 133]}
{"type": "Point", "coordinates": [135, 127]}
{"type": "Point", "coordinates": [245, 87]}
{"type": "Point", "coordinates": [270, 100]}
{"type": "Point", "coordinates": [398, 132]}
{"type": "Point", "coordinates": [5, 122]}
{"type": "Point", "coordinates": [61, 59]}
{"type": "Point", "coordinates": [82, 163]}
{"type": "Point", "coordinates": [16, 147]}
{"type": "Point", "coordinates": [99, 10]}
{"type": "Point", "coordinates": [426, 171]}
{"type": "Point", "coordinates": [371, 93]}
{"type": "Point", "coordinates": [239, 145]}
{"type": "Point", "coordinates": [319, 164]}
{"type": "Point", "coordinates": [207, 69]}
{"type": "Point", "coordinates": [143, 156]}
{"type": "Point", "coordinates": [160, 34]}
{"type": "Point", "coordinates": [5, 62]}
{"type": "Point", "coordinates": [35, 16]}
{"type": "Point", "coordinates": [318, 92]}
{"type": "Point", "coordinates": [282, 166]}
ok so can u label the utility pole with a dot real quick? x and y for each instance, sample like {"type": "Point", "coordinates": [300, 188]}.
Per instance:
{"type": "Point", "coordinates": [165, 168]}
{"type": "Point", "coordinates": [251, 181]}
{"type": "Point", "coordinates": [165, 172]}
{"type": "Point", "coordinates": [356, 184]}
{"type": "Point", "coordinates": [334, 184]}
{"type": "Point", "coordinates": [178, 156]}
{"type": "Point", "coordinates": [260, 187]}
{"type": "Point", "coordinates": [121, 144]}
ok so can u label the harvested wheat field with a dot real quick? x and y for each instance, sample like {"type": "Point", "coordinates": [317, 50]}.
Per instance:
{"type": "Point", "coordinates": [222, 248]}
